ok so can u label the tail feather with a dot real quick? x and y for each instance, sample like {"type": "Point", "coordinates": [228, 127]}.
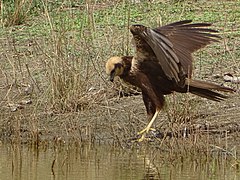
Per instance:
{"type": "Point", "coordinates": [205, 89]}
{"type": "Point", "coordinates": [205, 93]}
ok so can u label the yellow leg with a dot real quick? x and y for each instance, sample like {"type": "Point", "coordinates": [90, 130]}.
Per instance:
{"type": "Point", "coordinates": [145, 130]}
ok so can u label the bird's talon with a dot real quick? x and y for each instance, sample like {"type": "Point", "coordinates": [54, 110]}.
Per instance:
{"type": "Point", "coordinates": [142, 138]}
{"type": "Point", "coordinates": [146, 130]}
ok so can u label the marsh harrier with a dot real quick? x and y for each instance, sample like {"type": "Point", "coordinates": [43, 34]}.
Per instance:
{"type": "Point", "coordinates": [162, 64]}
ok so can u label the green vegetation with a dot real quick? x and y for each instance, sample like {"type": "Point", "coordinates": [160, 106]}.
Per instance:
{"type": "Point", "coordinates": [53, 55]}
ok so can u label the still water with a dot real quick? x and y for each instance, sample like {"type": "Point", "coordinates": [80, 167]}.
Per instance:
{"type": "Point", "coordinates": [107, 163]}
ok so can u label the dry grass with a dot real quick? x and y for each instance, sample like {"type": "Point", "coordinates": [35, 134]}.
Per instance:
{"type": "Point", "coordinates": [53, 85]}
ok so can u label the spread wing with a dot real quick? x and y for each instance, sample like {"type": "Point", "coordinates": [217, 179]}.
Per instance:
{"type": "Point", "coordinates": [172, 45]}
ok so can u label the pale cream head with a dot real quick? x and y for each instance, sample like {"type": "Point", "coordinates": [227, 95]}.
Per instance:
{"type": "Point", "coordinates": [110, 65]}
{"type": "Point", "coordinates": [114, 67]}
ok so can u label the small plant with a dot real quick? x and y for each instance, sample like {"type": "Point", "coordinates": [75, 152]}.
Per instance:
{"type": "Point", "coordinates": [15, 12]}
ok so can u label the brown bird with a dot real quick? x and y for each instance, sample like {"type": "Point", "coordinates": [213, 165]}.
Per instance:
{"type": "Point", "coordinates": [162, 64]}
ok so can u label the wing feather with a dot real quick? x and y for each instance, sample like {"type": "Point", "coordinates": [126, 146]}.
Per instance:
{"type": "Point", "coordinates": [173, 45]}
{"type": "Point", "coordinates": [163, 50]}
{"type": "Point", "coordinates": [187, 38]}
{"type": "Point", "coordinates": [170, 60]}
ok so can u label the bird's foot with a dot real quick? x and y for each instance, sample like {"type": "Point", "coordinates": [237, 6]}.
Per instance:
{"type": "Point", "coordinates": [142, 138]}
{"type": "Point", "coordinates": [146, 130]}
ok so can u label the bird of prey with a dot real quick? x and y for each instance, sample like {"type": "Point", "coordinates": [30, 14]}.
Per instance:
{"type": "Point", "coordinates": [162, 64]}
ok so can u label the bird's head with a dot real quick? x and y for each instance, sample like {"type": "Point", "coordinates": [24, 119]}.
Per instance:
{"type": "Point", "coordinates": [114, 67]}
{"type": "Point", "coordinates": [137, 29]}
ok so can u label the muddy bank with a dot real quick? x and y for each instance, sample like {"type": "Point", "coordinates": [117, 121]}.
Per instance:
{"type": "Point", "coordinates": [116, 121]}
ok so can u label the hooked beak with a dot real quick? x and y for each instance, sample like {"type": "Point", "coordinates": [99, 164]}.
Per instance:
{"type": "Point", "coordinates": [112, 75]}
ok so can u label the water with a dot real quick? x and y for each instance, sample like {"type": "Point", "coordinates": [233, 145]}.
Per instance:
{"type": "Point", "coordinates": [107, 163]}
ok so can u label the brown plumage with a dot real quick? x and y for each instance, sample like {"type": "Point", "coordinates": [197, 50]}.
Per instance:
{"type": "Point", "coordinates": [162, 64]}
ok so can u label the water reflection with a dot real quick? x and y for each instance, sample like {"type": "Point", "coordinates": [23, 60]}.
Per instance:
{"type": "Point", "coordinates": [102, 162]}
